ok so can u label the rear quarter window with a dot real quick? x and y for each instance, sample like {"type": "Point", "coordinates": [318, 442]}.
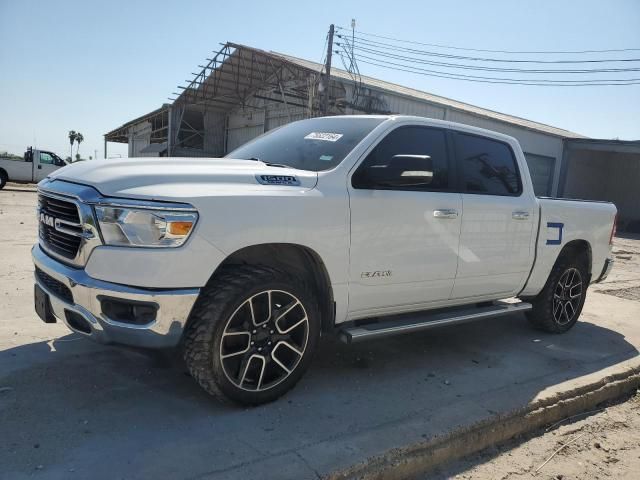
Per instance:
{"type": "Point", "coordinates": [486, 166]}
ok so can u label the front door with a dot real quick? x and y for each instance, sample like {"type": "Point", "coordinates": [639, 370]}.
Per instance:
{"type": "Point", "coordinates": [495, 252]}
{"type": "Point", "coordinates": [404, 234]}
{"type": "Point", "coordinates": [44, 165]}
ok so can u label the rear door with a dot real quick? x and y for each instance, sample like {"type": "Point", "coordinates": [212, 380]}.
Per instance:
{"type": "Point", "coordinates": [404, 239]}
{"type": "Point", "coordinates": [495, 251]}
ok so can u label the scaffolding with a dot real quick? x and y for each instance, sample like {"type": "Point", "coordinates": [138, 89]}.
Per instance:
{"type": "Point", "coordinates": [238, 78]}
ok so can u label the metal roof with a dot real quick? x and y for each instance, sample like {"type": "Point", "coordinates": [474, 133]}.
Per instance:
{"type": "Point", "coordinates": [239, 70]}
{"type": "Point", "coordinates": [120, 134]}
{"type": "Point", "coordinates": [435, 99]}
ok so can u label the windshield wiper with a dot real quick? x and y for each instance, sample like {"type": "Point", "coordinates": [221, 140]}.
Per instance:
{"type": "Point", "coordinates": [280, 165]}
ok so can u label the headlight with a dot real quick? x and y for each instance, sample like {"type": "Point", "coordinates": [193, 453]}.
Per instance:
{"type": "Point", "coordinates": [144, 227]}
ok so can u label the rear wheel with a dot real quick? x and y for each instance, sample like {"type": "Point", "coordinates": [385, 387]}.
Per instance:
{"type": "Point", "coordinates": [253, 333]}
{"type": "Point", "coordinates": [3, 179]}
{"type": "Point", "coordinates": [557, 308]}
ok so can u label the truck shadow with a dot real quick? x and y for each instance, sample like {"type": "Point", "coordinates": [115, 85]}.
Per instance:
{"type": "Point", "coordinates": [69, 403]}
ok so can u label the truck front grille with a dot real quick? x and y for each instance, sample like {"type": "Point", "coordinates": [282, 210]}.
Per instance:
{"type": "Point", "coordinates": [63, 241]}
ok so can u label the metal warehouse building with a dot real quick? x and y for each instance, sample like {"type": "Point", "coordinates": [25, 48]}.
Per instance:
{"type": "Point", "coordinates": [243, 92]}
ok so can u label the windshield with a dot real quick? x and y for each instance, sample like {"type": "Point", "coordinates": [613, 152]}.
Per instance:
{"type": "Point", "coordinates": [316, 144]}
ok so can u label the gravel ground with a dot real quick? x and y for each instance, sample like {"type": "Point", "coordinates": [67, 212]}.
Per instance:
{"type": "Point", "coordinates": [70, 408]}
{"type": "Point", "coordinates": [603, 445]}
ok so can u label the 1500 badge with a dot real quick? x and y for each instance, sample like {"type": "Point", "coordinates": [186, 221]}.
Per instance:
{"type": "Point", "coordinates": [277, 180]}
{"type": "Point", "coordinates": [377, 273]}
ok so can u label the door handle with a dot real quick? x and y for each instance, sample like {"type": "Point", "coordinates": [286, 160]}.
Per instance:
{"type": "Point", "coordinates": [520, 215]}
{"type": "Point", "coordinates": [39, 167]}
{"type": "Point", "coordinates": [445, 213]}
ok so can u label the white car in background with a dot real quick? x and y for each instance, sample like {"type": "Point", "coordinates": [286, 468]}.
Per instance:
{"type": "Point", "coordinates": [35, 166]}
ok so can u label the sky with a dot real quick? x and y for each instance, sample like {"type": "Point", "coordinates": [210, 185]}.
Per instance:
{"type": "Point", "coordinates": [92, 66]}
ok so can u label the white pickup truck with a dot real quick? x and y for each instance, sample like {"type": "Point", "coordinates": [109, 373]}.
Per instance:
{"type": "Point", "coordinates": [35, 166]}
{"type": "Point", "coordinates": [365, 226]}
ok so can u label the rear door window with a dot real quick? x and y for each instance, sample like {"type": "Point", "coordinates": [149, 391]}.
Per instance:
{"type": "Point", "coordinates": [486, 166]}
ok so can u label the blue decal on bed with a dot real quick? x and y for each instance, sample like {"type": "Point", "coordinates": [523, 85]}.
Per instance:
{"type": "Point", "coordinates": [559, 226]}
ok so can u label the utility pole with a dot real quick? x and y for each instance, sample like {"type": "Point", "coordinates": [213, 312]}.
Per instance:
{"type": "Point", "coordinates": [353, 41]}
{"type": "Point", "coordinates": [327, 77]}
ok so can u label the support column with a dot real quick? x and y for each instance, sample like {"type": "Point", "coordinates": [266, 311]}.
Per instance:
{"type": "Point", "coordinates": [327, 78]}
{"type": "Point", "coordinates": [169, 131]}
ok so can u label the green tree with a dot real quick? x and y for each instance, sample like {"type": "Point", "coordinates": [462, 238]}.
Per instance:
{"type": "Point", "coordinates": [72, 138]}
{"type": "Point", "coordinates": [79, 139]}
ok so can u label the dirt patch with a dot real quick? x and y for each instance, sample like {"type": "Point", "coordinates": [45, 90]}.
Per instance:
{"type": "Point", "coordinates": [624, 252]}
{"type": "Point", "coordinates": [631, 293]}
{"type": "Point", "coordinates": [604, 445]}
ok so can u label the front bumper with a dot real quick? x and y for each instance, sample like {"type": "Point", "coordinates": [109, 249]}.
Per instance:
{"type": "Point", "coordinates": [173, 306]}
{"type": "Point", "coordinates": [608, 265]}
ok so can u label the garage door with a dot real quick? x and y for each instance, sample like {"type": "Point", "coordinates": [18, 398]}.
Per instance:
{"type": "Point", "coordinates": [541, 170]}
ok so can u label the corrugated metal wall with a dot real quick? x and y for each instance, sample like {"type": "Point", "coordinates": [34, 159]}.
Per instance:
{"type": "Point", "coordinates": [609, 176]}
{"type": "Point", "coordinates": [139, 138]}
{"type": "Point", "coordinates": [541, 170]}
{"type": "Point", "coordinates": [243, 126]}
{"type": "Point", "coordinates": [278, 115]}
{"type": "Point", "coordinates": [407, 106]}
{"type": "Point", "coordinates": [214, 125]}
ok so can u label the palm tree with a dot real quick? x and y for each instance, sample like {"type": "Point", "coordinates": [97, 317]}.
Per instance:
{"type": "Point", "coordinates": [72, 138]}
{"type": "Point", "coordinates": [79, 139]}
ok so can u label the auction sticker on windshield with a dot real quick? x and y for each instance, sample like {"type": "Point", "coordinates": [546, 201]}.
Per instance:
{"type": "Point", "coordinates": [327, 137]}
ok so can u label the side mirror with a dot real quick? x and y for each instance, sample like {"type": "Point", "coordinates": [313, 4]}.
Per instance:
{"type": "Point", "coordinates": [403, 170]}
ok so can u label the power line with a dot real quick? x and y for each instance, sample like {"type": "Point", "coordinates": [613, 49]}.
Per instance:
{"type": "Point", "coordinates": [522, 52]}
{"type": "Point", "coordinates": [479, 79]}
{"type": "Point", "coordinates": [412, 60]}
{"type": "Point", "coordinates": [487, 68]}
{"type": "Point", "coordinates": [428, 53]}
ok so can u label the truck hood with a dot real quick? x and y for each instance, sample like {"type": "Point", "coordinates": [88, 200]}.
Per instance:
{"type": "Point", "coordinates": [178, 178]}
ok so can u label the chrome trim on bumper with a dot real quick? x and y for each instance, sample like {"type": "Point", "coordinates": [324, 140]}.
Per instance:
{"type": "Point", "coordinates": [174, 306]}
{"type": "Point", "coordinates": [608, 265]}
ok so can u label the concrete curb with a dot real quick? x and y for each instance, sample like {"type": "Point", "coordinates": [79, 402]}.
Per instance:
{"type": "Point", "coordinates": [552, 406]}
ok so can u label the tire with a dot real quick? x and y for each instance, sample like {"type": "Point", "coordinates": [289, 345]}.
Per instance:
{"type": "Point", "coordinates": [557, 307]}
{"type": "Point", "coordinates": [3, 179]}
{"type": "Point", "coordinates": [252, 334]}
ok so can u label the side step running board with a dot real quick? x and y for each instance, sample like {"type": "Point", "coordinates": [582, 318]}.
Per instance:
{"type": "Point", "coordinates": [424, 320]}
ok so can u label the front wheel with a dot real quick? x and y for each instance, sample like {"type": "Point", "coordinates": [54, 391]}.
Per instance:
{"type": "Point", "coordinates": [252, 335]}
{"type": "Point", "coordinates": [557, 307]}
{"type": "Point", "coordinates": [3, 179]}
